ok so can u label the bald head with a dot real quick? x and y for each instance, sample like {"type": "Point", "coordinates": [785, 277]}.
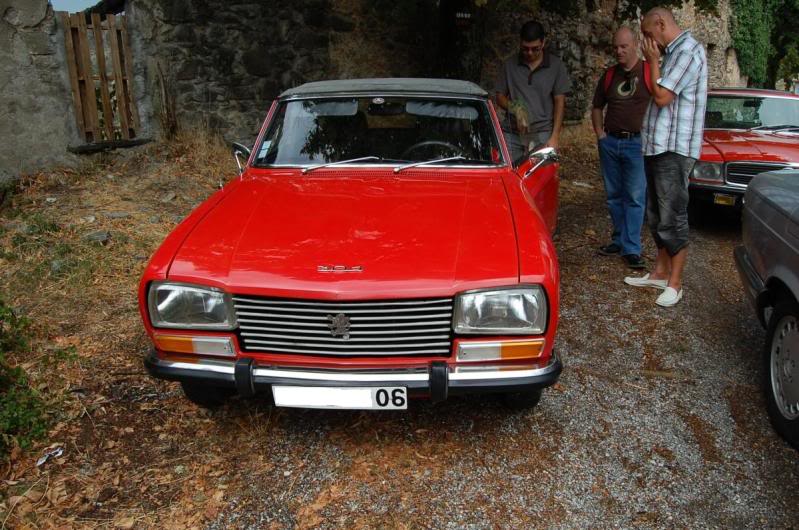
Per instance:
{"type": "Point", "coordinates": [659, 25]}
{"type": "Point", "coordinates": [661, 12]}
{"type": "Point", "coordinates": [625, 47]}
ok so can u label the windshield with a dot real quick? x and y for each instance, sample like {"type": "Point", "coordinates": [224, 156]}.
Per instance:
{"type": "Point", "coordinates": [394, 130]}
{"type": "Point", "coordinates": [737, 112]}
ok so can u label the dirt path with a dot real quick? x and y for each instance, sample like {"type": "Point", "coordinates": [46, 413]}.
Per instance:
{"type": "Point", "coordinates": [657, 421]}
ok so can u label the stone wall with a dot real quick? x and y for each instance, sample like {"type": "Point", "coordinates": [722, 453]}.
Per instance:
{"type": "Point", "coordinates": [37, 122]}
{"type": "Point", "coordinates": [584, 41]}
{"type": "Point", "coordinates": [225, 61]}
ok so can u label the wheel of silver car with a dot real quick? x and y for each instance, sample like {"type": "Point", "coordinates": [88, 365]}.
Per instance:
{"type": "Point", "coordinates": [433, 143]}
{"type": "Point", "coordinates": [781, 358]}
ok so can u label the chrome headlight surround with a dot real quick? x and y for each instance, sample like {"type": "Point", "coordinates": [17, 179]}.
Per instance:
{"type": "Point", "coordinates": [177, 305]}
{"type": "Point", "coordinates": [519, 310]}
{"type": "Point", "coordinates": [713, 171]}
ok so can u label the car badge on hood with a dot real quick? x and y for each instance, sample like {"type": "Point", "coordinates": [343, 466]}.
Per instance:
{"type": "Point", "coordinates": [339, 268]}
{"type": "Point", "coordinates": [339, 325]}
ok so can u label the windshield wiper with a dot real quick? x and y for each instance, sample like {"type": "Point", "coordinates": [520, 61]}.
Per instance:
{"type": "Point", "coordinates": [774, 127]}
{"type": "Point", "coordinates": [433, 161]}
{"type": "Point", "coordinates": [328, 164]}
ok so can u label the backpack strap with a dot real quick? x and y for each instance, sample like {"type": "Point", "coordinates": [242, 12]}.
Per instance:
{"type": "Point", "coordinates": [612, 70]}
{"type": "Point", "coordinates": [647, 77]}
{"type": "Point", "coordinates": [608, 78]}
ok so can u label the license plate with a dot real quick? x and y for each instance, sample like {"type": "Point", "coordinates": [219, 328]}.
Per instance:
{"type": "Point", "coordinates": [355, 398]}
{"type": "Point", "coordinates": [724, 199]}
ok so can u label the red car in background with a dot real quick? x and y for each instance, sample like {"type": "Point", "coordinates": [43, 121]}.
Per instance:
{"type": "Point", "coordinates": [747, 132]}
{"type": "Point", "coordinates": [377, 245]}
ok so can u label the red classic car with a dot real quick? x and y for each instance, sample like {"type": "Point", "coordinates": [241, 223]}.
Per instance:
{"type": "Point", "coordinates": [377, 245]}
{"type": "Point", "coordinates": [747, 131]}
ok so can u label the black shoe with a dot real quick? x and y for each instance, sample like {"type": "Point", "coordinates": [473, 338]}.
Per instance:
{"type": "Point", "coordinates": [634, 261]}
{"type": "Point", "coordinates": [609, 250]}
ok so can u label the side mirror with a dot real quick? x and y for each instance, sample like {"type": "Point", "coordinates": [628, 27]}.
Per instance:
{"type": "Point", "coordinates": [545, 155]}
{"type": "Point", "coordinates": [240, 150]}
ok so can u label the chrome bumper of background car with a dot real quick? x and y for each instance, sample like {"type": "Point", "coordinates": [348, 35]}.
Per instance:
{"type": "Point", "coordinates": [436, 381]}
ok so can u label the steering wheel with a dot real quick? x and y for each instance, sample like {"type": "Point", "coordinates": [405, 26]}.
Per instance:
{"type": "Point", "coordinates": [427, 143]}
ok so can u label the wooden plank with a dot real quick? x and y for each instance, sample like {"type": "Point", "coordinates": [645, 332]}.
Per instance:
{"type": "Point", "coordinates": [89, 92]}
{"type": "Point", "coordinates": [73, 71]}
{"type": "Point", "coordinates": [134, 114]}
{"type": "Point", "coordinates": [99, 50]}
{"type": "Point", "coordinates": [119, 81]}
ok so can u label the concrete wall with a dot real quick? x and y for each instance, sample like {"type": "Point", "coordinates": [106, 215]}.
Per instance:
{"type": "Point", "coordinates": [37, 122]}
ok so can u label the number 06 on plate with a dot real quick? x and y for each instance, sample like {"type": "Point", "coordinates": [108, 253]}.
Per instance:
{"type": "Point", "coordinates": [356, 398]}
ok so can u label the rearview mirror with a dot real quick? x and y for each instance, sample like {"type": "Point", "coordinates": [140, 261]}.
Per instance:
{"type": "Point", "coordinates": [544, 155]}
{"type": "Point", "coordinates": [240, 150]}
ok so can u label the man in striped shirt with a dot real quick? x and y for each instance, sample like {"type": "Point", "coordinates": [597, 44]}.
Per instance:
{"type": "Point", "coordinates": [671, 142]}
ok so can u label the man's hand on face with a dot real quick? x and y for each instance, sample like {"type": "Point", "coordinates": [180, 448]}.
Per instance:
{"type": "Point", "coordinates": [650, 49]}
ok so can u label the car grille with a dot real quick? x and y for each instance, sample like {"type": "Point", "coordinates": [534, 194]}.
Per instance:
{"type": "Point", "coordinates": [385, 327]}
{"type": "Point", "coordinates": [743, 172]}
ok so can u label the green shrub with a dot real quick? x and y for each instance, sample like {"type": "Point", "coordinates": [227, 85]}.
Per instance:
{"type": "Point", "coordinates": [22, 411]}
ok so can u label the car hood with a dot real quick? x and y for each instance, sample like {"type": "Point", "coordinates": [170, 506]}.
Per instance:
{"type": "Point", "coordinates": [414, 234]}
{"type": "Point", "coordinates": [751, 145]}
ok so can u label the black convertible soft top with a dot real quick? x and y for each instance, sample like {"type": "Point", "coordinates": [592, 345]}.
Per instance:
{"type": "Point", "coordinates": [385, 86]}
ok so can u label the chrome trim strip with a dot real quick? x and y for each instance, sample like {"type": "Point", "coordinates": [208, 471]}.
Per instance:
{"type": "Point", "coordinates": [344, 345]}
{"type": "Point", "coordinates": [354, 337]}
{"type": "Point", "coordinates": [323, 318]}
{"type": "Point", "coordinates": [301, 310]}
{"type": "Point", "coordinates": [204, 365]}
{"type": "Point", "coordinates": [292, 333]}
{"type": "Point", "coordinates": [505, 373]}
{"type": "Point", "coordinates": [345, 376]}
{"type": "Point", "coordinates": [292, 326]}
{"type": "Point", "coordinates": [386, 303]}
{"type": "Point", "coordinates": [402, 353]}
{"type": "Point", "coordinates": [474, 373]}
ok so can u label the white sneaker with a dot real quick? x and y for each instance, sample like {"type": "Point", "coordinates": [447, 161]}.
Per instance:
{"type": "Point", "coordinates": [644, 281]}
{"type": "Point", "coordinates": [669, 297]}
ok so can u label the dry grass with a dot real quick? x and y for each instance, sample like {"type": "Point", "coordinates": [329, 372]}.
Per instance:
{"type": "Point", "coordinates": [81, 294]}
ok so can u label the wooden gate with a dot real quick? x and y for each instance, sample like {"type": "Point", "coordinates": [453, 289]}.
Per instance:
{"type": "Point", "coordinates": [104, 106]}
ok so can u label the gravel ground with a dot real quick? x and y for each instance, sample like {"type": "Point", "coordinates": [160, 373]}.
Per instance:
{"type": "Point", "coordinates": [658, 421]}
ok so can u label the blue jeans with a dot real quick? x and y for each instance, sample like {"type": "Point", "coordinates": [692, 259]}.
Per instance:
{"type": "Point", "coordinates": [625, 184]}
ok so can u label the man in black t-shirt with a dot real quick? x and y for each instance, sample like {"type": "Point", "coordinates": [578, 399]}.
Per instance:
{"type": "Point", "coordinates": [625, 90]}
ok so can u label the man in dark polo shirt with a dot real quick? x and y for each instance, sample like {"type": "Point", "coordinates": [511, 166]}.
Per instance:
{"type": "Point", "coordinates": [624, 90]}
{"type": "Point", "coordinates": [532, 87]}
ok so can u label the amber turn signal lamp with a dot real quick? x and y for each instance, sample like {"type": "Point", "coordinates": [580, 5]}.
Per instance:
{"type": "Point", "coordinates": [500, 350]}
{"type": "Point", "coordinates": [196, 345]}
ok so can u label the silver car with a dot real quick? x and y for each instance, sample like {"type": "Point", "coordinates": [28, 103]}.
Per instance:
{"type": "Point", "coordinates": [768, 262]}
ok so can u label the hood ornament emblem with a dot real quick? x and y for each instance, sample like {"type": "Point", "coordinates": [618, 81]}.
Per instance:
{"type": "Point", "coordinates": [339, 268]}
{"type": "Point", "coordinates": [339, 325]}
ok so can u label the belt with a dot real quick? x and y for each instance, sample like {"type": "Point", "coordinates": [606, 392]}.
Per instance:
{"type": "Point", "coordinates": [623, 134]}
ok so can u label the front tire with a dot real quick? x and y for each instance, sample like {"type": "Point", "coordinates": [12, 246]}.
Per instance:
{"type": "Point", "coordinates": [781, 371]}
{"type": "Point", "coordinates": [206, 396]}
{"type": "Point", "coordinates": [526, 400]}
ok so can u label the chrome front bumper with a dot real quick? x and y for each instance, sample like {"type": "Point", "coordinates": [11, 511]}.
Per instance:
{"type": "Point", "coordinates": [437, 381]}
